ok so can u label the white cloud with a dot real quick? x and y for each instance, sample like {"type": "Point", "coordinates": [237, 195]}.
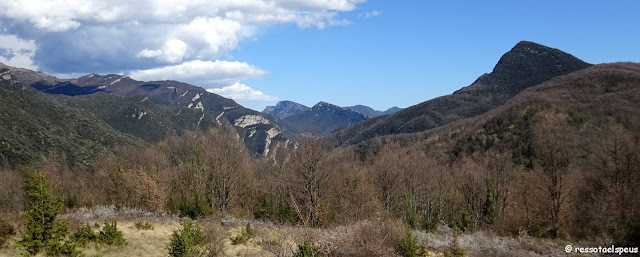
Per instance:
{"type": "Point", "coordinates": [370, 14]}
{"type": "Point", "coordinates": [242, 93]}
{"type": "Point", "coordinates": [62, 15]}
{"type": "Point", "coordinates": [202, 73]}
{"type": "Point", "coordinates": [18, 52]}
{"type": "Point", "coordinates": [173, 51]}
{"type": "Point", "coordinates": [135, 36]}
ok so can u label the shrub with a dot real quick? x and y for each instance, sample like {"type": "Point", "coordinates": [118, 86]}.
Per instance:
{"type": "Point", "coordinates": [455, 251]}
{"type": "Point", "coordinates": [409, 245]}
{"type": "Point", "coordinates": [463, 224]}
{"type": "Point", "coordinates": [184, 241]}
{"type": "Point", "coordinates": [429, 224]}
{"type": "Point", "coordinates": [144, 225]}
{"type": "Point", "coordinates": [306, 249]}
{"type": "Point", "coordinates": [84, 235]}
{"type": "Point", "coordinates": [194, 208]}
{"type": "Point", "coordinates": [57, 248]}
{"type": "Point", "coordinates": [110, 235]}
{"type": "Point", "coordinates": [246, 234]}
{"type": "Point", "coordinates": [368, 239]}
{"type": "Point", "coordinates": [214, 239]}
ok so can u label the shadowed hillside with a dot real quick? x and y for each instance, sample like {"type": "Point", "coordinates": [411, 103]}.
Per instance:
{"type": "Point", "coordinates": [257, 131]}
{"type": "Point", "coordinates": [31, 126]}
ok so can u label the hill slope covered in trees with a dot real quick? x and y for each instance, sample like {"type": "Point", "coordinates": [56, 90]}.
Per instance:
{"type": "Point", "coordinates": [527, 64]}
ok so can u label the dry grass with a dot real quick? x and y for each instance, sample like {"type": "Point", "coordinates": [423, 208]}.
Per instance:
{"type": "Point", "coordinates": [359, 239]}
{"type": "Point", "coordinates": [139, 242]}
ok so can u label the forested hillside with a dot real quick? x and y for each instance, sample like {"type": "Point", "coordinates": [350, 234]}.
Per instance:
{"type": "Point", "coordinates": [559, 160]}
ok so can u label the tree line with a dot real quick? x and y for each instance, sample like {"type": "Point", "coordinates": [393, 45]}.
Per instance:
{"type": "Point", "coordinates": [542, 179]}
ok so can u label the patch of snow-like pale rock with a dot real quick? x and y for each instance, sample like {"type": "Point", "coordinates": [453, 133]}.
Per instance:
{"type": "Point", "coordinates": [7, 76]}
{"type": "Point", "coordinates": [199, 106]}
{"type": "Point", "coordinates": [249, 120]}
{"type": "Point", "coordinates": [196, 97]}
{"type": "Point", "coordinates": [271, 133]}
{"type": "Point", "coordinates": [185, 93]}
{"type": "Point", "coordinates": [118, 80]}
{"type": "Point", "coordinates": [139, 114]}
{"type": "Point", "coordinates": [200, 120]}
{"type": "Point", "coordinates": [218, 118]}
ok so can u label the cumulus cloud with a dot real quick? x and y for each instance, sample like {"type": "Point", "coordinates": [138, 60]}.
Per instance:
{"type": "Point", "coordinates": [121, 35]}
{"type": "Point", "coordinates": [242, 93]}
{"type": "Point", "coordinates": [202, 73]}
{"type": "Point", "coordinates": [17, 52]}
{"type": "Point", "coordinates": [154, 39]}
{"type": "Point", "coordinates": [173, 51]}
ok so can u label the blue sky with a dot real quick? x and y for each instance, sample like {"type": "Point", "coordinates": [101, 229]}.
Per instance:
{"type": "Point", "coordinates": [347, 52]}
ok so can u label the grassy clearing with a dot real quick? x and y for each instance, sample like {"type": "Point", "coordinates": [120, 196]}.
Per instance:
{"type": "Point", "coordinates": [139, 242]}
{"type": "Point", "coordinates": [360, 239]}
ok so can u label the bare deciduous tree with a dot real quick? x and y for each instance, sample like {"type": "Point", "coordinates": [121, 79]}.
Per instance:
{"type": "Point", "coordinates": [311, 178]}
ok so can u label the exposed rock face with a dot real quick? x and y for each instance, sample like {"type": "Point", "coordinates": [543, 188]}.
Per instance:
{"type": "Point", "coordinates": [249, 120]}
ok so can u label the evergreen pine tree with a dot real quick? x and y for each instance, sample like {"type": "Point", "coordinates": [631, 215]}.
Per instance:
{"type": "Point", "coordinates": [42, 229]}
{"type": "Point", "coordinates": [489, 207]}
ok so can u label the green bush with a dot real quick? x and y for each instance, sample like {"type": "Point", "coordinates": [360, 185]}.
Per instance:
{"type": "Point", "coordinates": [184, 241]}
{"type": "Point", "coordinates": [409, 245]}
{"type": "Point", "coordinates": [84, 235]}
{"type": "Point", "coordinates": [144, 225]}
{"type": "Point", "coordinates": [6, 230]}
{"type": "Point", "coordinates": [463, 224]}
{"type": "Point", "coordinates": [194, 208]}
{"type": "Point", "coordinates": [110, 235]}
{"type": "Point", "coordinates": [306, 249]}
{"type": "Point", "coordinates": [57, 248]}
{"type": "Point", "coordinates": [429, 224]}
{"type": "Point", "coordinates": [246, 234]}
{"type": "Point", "coordinates": [455, 251]}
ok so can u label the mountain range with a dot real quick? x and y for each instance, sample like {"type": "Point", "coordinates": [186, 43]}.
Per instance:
{"type": "Point", "coordinates": [257, 131]}
{"type": "Point", "coordinates": [322, 118]}
{"type": "Point", "coordinates": [108, 110]}
{"type": "Point", "coordinates": [32, 124]}
{"type": "Point", "coordinates": [527, 64]}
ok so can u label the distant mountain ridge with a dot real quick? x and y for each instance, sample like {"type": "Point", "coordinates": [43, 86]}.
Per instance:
{"type": "Point", "coordinates": [32, 124]}
{"type": "Point", "coordinates": [366, 110]}
{"type": "Point", "coordinates": [285, 109]}
{"type": "Point", "coordinates": [527, 64]}
{"type": "Point", "coordinates": [257, 132]}
{"type": "Point", "coordinates": [322, 118]}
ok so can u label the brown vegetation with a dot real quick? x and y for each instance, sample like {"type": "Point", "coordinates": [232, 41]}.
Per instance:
{"type": "Point", "coordinates": [561, 160]}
